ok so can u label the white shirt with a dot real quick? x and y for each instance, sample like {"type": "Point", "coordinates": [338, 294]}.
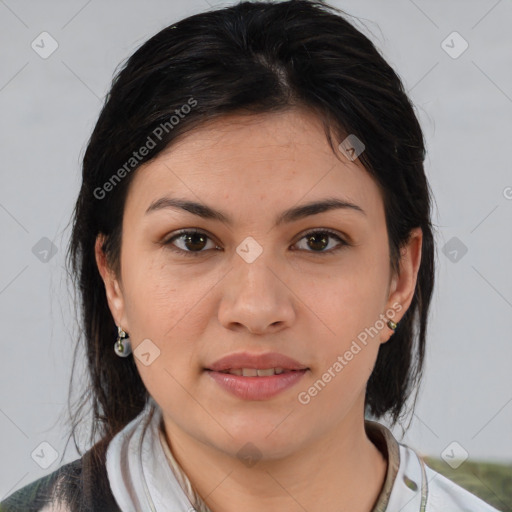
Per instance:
{"type": "Point", "coordinates": [141, 475]}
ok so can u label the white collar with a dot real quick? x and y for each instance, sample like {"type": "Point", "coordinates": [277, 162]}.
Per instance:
{"type": "Point", "coordinates": [139, 474]}
{"type": "Point", "coordinates": [139, 466]}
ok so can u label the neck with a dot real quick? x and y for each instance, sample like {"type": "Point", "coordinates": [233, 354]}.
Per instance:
{"type": "Point", "coordinates": [341, 469]}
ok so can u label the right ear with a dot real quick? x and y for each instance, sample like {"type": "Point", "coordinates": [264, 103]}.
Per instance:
{"type": "Point", "coordinates": [113, 289]}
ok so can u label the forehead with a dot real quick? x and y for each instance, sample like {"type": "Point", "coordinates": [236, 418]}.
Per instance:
{"type": "Point", "coordinates": [279, 157]}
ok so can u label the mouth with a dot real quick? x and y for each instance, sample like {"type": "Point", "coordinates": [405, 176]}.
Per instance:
{"type": "Point", "coordinates": [257, 372]}
{"type": "Point", "coordinates": [256, 376]}
{"type": "Point", "coordinates": [253, 386]}
{"type": "Point", "coordinates": [256, 364]}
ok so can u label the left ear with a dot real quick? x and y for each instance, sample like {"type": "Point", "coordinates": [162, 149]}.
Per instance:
{"type": "Point", "coordinates": [403, 285]}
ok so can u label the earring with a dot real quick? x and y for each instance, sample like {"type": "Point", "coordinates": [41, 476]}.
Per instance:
{"type": "Point", "coordinates": [392, 325]}
{"type": "Point", "coordinates": [122, 347]}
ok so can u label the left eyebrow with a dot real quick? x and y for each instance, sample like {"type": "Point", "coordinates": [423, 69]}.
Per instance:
{"type": "Point", "coordinates": [287, 216]}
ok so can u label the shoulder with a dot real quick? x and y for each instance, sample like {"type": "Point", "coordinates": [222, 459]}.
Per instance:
{"type": "Point", "coordinates": [412, 486]}
{"type": "Point", "coordinates": [438, 493]}
{"type": "Point", "coordinates": [79, 486]}
{"type": "Point", "coordinates": [443, 494]}
{"type": "Point", "coordinates": [44, 493]}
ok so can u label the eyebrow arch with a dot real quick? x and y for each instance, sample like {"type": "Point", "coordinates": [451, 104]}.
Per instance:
{"type": "Point", "coordinates": [290, 215]}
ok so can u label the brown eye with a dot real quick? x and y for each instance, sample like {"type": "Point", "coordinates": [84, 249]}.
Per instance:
{"type": "Point", "coordinates": [318, 241]}
{"type": "Point", "coordinates": [192, 242]}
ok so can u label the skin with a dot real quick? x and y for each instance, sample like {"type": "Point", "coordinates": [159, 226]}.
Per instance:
{"type": "Point", "coordinates": [295, 298]}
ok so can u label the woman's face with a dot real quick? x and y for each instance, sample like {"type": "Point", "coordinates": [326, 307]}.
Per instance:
{"type": "Point", "coordinates": [257, 282]}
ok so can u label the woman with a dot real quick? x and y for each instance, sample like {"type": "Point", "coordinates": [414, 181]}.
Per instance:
{"type": "Point", "coordinates": [253, 247]}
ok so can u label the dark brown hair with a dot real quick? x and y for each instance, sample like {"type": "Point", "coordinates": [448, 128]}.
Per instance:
{"type": "Point", "coordinates": [250, 58]}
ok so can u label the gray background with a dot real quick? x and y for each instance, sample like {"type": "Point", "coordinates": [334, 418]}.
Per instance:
{"type": "Point", "coordinates": [49, 107]}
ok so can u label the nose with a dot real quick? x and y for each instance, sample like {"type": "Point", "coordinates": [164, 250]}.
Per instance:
{"type": "Point", "coordinates": [256, 298]}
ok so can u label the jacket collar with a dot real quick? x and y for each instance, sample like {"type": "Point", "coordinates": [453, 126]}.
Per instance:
{"type": "Point", "coordinates": [144, 475]}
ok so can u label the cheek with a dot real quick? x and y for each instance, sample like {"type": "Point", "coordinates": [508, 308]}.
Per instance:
{"type": "Point", "coordinates": [158, 295]}
{"type": "Point", "coordinates": [345, 357]}
{"type": "Point", "coordinates": [169, 306]}
{"type": "Point", "coordinates": [351, 297]}
{"type": "Point", "coordinates": [347, 311]}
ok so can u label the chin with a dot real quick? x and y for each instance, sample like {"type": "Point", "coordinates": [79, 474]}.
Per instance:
{"type": "Point", "coordinates": [258, 441]}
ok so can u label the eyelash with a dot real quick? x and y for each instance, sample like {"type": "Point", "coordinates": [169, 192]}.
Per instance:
{"type": "Point", "coordinates": [180, 233]}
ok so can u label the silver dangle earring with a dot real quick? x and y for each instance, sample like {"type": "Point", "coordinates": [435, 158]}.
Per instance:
{"type": "Point", "coordinates": [122, 347]}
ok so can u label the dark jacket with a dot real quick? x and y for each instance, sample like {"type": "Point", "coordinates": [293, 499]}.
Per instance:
{"type": "Point", "coordinates": [82, 485]}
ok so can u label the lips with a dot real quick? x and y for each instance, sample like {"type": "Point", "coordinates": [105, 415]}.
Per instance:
{"type": "Point", "coordinates": [246, 362]}
{"type": "Point", "coordinates": [256, 376]}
